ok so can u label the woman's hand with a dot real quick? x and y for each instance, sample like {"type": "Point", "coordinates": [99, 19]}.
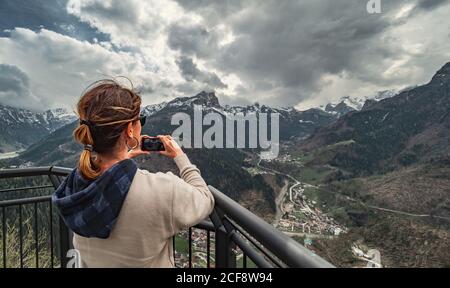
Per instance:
{"type": "Point", "coordinates": [138, 151]}
{"type": "Point", "coordinates": [172, 148]}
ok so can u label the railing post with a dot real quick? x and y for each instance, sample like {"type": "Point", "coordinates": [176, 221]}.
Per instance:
{"type": "Point", "coordinates": [65, 235]}
{"type": "Point", "coordinates": [65, 244]}
{"type": "Point", "coordinates": [225, 257]}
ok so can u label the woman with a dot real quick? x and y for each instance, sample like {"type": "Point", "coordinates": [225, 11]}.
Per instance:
{"type": "Point", "coordinates": [123, 216]}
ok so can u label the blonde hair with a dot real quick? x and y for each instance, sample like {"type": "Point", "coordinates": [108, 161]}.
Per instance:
{"type": "Point", "coordinates": [107, 107]}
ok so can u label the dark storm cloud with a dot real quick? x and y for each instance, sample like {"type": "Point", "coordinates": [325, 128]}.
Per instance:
{"type": "Point", "coordinates": [13, 79]}
{"type": "Point", "coordinates": [430, 4]}
{"type": "Point", "coordinates": [289, 45]}
{"type": "Point", "coordinates": [127, 15]}
{"type": "Point", "coordinates": [48, 14]}
{"type": "Point", "coordinates": [116, 9]}
{"type": "Point", "coordinates": [191, 72]}
{"type": "Point", "coordinates": [15, 88]}
{"type": "Point", "coordinates": [313, 39]}
{"type": "Point", "coordinates": [192, 39]}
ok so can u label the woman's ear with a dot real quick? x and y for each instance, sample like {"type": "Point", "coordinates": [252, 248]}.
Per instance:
{"type": "Point", "coordinates": [129, 130]}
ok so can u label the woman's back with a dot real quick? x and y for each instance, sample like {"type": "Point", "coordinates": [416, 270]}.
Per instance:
{"type": "Point", "coordinates": [157, 206]}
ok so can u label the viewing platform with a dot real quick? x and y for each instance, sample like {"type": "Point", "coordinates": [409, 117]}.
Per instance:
{"type": "Point", "coordinates": [33, 234]}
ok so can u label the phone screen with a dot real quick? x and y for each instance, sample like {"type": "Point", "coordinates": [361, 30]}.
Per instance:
{"type": "Point", "coordinates": [152, 144]}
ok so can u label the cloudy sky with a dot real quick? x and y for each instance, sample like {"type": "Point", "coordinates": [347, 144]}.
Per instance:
{"type": "Point", "coordinates": [300, 53]}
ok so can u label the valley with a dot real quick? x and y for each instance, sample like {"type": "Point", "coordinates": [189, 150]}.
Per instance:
{"type": "Point", "coordinates": [11, 154]}
{"type": "Point", "coordinates": [296, 214]}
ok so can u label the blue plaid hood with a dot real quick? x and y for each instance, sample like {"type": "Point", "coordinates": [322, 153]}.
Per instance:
{"type": "Point", "coordinates": [91, 208]}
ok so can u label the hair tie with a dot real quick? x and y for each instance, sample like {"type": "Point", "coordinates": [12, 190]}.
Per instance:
{"type": "Point", "coordinates": [86, 122]}
{"type": "Point", "coordinates": [88, 147]}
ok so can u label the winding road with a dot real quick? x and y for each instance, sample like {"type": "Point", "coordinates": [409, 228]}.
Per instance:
{"type": "Point", "coordinates": [304, 207]}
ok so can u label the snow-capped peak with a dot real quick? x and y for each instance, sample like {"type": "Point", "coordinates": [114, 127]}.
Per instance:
{"type": "Point", "coordinates": [352, 102]}
{"type": "Point", "coordinates": [51, 119]}
{"type": "Point", "coordinates": [349, 103]}
{"type": "Point", "coordinates": [62, 115]}
{"type": "Point", "coordinates": [208, 99]}
{"type": "Point", "coordinates": [153, 108]}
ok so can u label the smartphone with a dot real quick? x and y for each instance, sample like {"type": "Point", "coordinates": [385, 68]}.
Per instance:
{"type": "Point", "coordinates": [152, 144]}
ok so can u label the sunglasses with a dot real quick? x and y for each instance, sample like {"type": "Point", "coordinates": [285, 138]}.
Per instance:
{"type": "Point", "coordinates": [142, 118]}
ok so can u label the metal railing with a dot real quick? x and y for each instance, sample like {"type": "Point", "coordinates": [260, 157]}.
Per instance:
{"type": "Point", "coordinates": [236, 232]}
{"type": "Point", "coordinates": [57, 237]}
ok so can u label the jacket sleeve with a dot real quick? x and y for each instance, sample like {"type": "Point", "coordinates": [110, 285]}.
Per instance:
{"type": "Point", "coordinates": [192, 201]}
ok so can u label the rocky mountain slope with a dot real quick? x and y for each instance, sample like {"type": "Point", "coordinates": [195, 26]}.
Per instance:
{"type": "Point", "coordinates": [21, 127]}
{"type": "Point", "coordinates": [348, 104]}
{"type": "Point", "coordinates": [399, 131]}
{"type": "Point", "coordinates": [384, 171]}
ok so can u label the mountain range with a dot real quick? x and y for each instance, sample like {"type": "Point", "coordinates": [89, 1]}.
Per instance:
{"type": "Point", "coordinates": [396, 131]}
{"type": "Point", "coordinates": [22, 127]}
{"type": "Point", "coordinates": [357, 103]}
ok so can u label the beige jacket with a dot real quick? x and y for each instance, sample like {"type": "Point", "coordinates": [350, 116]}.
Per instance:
{"type": "Point", "coordinates": [157, 206]}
